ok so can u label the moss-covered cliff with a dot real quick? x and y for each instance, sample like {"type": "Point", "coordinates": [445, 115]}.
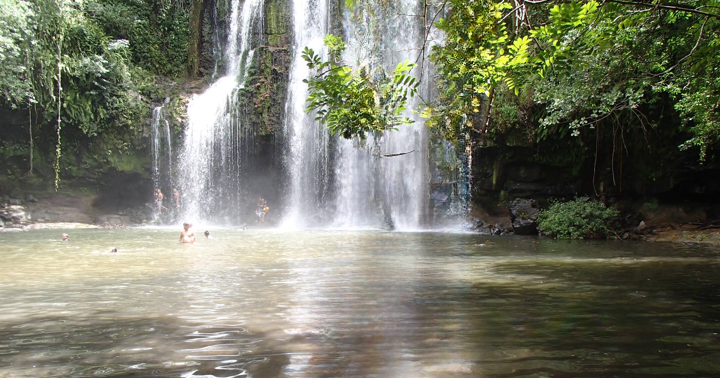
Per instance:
{"type": "Point", "coordinates": [262, 98]}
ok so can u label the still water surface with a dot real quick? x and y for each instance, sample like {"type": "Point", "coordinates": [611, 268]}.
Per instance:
{"type": "Point", "coordinates": [264, 303]}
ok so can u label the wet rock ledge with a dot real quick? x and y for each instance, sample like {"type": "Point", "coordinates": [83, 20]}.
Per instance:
{"type": "Point", "coordinates": [55, 211]}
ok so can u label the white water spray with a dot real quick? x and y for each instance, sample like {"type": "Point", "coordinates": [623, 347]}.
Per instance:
{"type": "Point", "coordinates": [308, 155]}
{"type": "Point", "coordinates": [381, 35]}
{"type": "Point", "coordinates": [161, 164]}
{"type": "Point", "coordinates": [348, 184]}
{"type": "Point", "coordinates": [331, 182]}
{"type": "Point", "coordinates": [211, 159]}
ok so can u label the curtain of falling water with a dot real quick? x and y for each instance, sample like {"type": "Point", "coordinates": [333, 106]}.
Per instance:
{"type": "Point", "coordinates": [168, 138]}
{"type": "Point", "coordinates": [331, 181]}
{"type": "Point", "coordinates": [162, 164]}
{"type": "Point", "coordinates": [372, 190]}
{"type": "Point", "coordinates": [348, 184]}
{"type": "Point", "coordinates": [157, 117]}
{"type": "Point", "coordinates": [308, 153]}
{"type": "Point", "coordinates": [211, 159]}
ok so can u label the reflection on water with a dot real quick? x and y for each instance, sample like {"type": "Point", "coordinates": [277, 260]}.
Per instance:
{"type": "Point", "coordinates": [266, 303]}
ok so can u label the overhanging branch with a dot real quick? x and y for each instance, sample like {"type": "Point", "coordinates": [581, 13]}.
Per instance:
{"type": "Point", "coordinates": [669, 6]}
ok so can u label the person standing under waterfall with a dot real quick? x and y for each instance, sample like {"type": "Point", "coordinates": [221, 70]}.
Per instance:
{"type": "Point", "coordinates": [158, 200]}
{"type": "Point", "coordinates": [265, 210]}
{"type": "Point", "coordinates": [260, 210]}
{"type": "Point", "coordinates": [176, 198]}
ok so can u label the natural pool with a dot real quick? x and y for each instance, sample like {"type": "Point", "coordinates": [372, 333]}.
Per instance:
{"type": "Point", "coordinates": [267, 303]}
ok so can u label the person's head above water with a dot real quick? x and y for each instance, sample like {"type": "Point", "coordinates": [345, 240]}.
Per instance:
{"type": "Point", "coordinates": [207, 234]}
{"type": "Point", "coordinates": [65, 237]}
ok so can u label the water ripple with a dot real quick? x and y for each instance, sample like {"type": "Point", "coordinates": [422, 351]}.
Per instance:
{"type": "Point", "coordinates": [343, 304]}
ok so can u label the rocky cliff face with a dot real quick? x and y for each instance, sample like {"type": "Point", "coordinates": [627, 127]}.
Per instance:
{"type": "Point", "coordinates": [263, 97]}
{"type": "Point", "coordinates": [260, 102]}
{"type": "Point", "coordinates": [512, 177]}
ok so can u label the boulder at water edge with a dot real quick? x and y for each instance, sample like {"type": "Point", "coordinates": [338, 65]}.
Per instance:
{"type": "Point", "coordinates": [524, 216]}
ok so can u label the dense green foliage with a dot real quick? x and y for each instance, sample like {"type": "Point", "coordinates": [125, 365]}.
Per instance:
{"type": "Point", "coordinates": [478, 55]}
{"type": "Point", "coordinates": [581, 67]}
{"type": "Point", "coordinates": [87, 70]}
{"type": "Point", "coordinates": [157, 30]}
{"type": "Point", "coordinates": [350, 102]}
{"type": "Point", "coordinates": [615, 85]}
{"type": "Point", "coordinates": [580, 218]}
{"type": "Point", "coordinates": [16, 29]}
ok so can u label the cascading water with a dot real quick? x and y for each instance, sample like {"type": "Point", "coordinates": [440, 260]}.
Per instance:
{"type": "Point", "coordinates": [351, 183]}
{"type": "Point", "coordinates": [329, 181]}
{"type": "Point", "coordinates": [308, 155]}
{"type": "Point", "coordinates": [212, 157]}
{"type": "Point", "coordinates": [381, 35]}
{"type": "Point", "coordinates": [450, 182]}
{"type": "Point", "coordinates": [162, 162]}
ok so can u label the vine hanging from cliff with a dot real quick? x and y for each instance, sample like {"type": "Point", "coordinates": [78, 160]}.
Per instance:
{"type": "Point", "coordinates": [58, 147]}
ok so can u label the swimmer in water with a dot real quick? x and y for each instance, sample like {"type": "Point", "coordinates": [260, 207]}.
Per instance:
{"type": "Point", "coordinates": [207, 234]}
{"type": "Point", "coordinates": [187, 235]}
{"type": "Point", "coordinates": [65, 237]}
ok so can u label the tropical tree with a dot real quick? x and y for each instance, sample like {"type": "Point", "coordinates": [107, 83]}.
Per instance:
{"type": "Point", "coordinates": [73, 78]}
{"type": "Point", "coordinates": [587, 65]}
{"type": "Point", "coordinates": [16, 31]}
{"type": "Point", "coordinates": [353, 103]}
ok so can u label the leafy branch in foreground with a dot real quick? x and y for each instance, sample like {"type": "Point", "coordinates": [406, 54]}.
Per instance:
{"type": "Point", "coordinates": [478, 55]}
{"type": "Point", "coordinates": [353, 103]}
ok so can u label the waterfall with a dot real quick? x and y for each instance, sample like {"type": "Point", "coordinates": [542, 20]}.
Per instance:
{"type": "Point", "coordinates": [308, 152]}
{"type": "Point", "coordinates": [450, 182]}
{"type": "Point", "coordinates": [211, 160]}
{"type": "Point", "coordinates": [157, 118]}
{"type": "Point", "coordinates": [391, 192]}
{"type": "Point", "coordinates": [328, 181]}
{"type": "Point", "coordinates": [349, 183]}
{"type": "Point", "coordinates": [161, 163]}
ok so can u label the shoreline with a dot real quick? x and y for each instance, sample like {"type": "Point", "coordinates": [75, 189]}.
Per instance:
{"type": "Point", "coordinates": [61, 225]}
{"type": "Point", "coordinates": [52, 226]}
{"type": "Point", "coordinates": [685, 234]}
{"type": "Point", "coordinates": [681, 234]}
